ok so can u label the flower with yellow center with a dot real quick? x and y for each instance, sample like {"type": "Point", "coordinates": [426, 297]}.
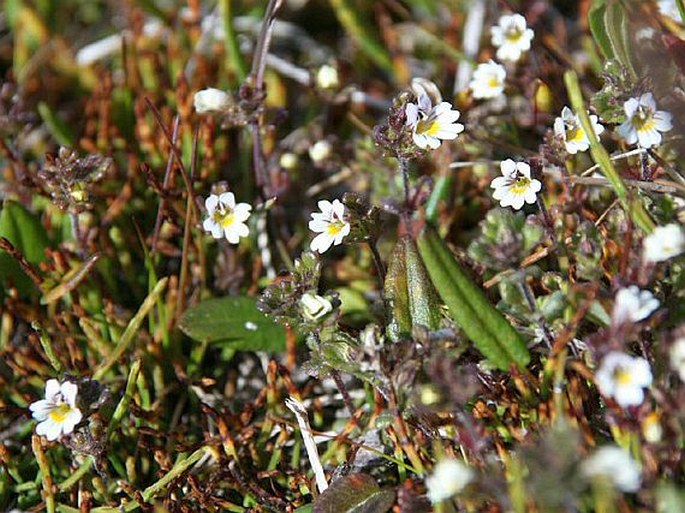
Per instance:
{"type": "Point", "coordinates": [330, 224]}
{"type": "Point", "coordinates": [488, 80]}
{"type": "Point", "coordinates": [57, 413]}
{"type": "Point", "coordinates": [643, 122]}
{"type": "Point", "coordinates": [226, 218]}
{"type": "Point", "coordinates": [623, 377]}
{"type": "Point", "coordinates": [568, 129]}
{"type": "Point", "coordinates": [515, 187]}
{"type": "Point", "coordinates": [512, 37]}
{"type": "Point", "coordinates": [431, 125]}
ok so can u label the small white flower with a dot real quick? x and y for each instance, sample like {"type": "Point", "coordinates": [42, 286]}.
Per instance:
{"type": "Point", "coordinates": [488, 80]}
{"type": "Point", "coordinates": [512, 37]}
{"type": "Point", "coordinates": [211, 100]}
{"type": "Point", "coordinates": [327, 77]}
{"type": "Point", "coordinates": [314, 307]}
{"type": "Point", "coordinates": [568, 128]}
{"type": "Point", "coordinates": [515, 187]}
{"type": "Point", "coordinates": [616, 465]}
{"type": "Point", "coordinates": [643, 122]}
{"type": "Point", "coordinates": [449, 477]}
{"type": "Point", "coordinates": [226, 218]}
{"type": "Point", "coordinates": [677, 357]}
{"type": "Point", "coordinates": [320, 151]}
{"type": "Point", "coordinates": [623, 377]}
{"type": "Point", "coordinates": [663, 243]}
{"type": "Point", "coordinates": [288, 161]}
{"type": "Point", "coordinates": [330, 224]}
{"type": "Point", "coordinates": [670, 8]}
{"type": "Point", "coordinates": [431, 124]}
{"type": "Point", "coordinates": [651, 428]}
{"type": "Point", "coordinates": [633, 305]}
{"type": "Point", "coordinates": [57, 413]}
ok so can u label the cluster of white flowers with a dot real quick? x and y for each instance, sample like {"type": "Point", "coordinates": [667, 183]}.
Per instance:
{"type": "Point", "coordinates": [568, 129]}
{"type": "Point", "coordinates": [57, 414]}
{"type": "Point", "coordinates": [623, 377]}
{"type": "Point", "coordinates": [449, 477]}
{"type": "Point", "coordinates": [432, 124]}
{"type": "Point", "coordinates": [614, 465]}
{"type": "Point", "coordinates": [226, 218]}
{"type": "Point", "coordinates": [515, 187]}
{"type": "Point", "coordinates": [633, 305]}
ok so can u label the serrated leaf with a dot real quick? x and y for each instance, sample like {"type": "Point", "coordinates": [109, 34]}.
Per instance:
{"type": "Point", "coordinates": [26, 233]}
{"type": "Point", "coordinates": [356, 493]}
{"type": "Point", "coordinates": [396, 295]}
{"type": "Point", "coordinates": [234, 321]}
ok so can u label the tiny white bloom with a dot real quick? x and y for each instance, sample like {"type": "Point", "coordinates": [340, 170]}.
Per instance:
{"type": "Point", "coordinates": [568, 128]}
{"type": "Point", "coordinates": [488, 80]}
{"type": "Point", "coordinates": [431, 124]}
{"type": "Point", "coordinates": [643, 122]}
{"type": "Point", "coordinates": [314, 307]}
{"type": "Point", "coordinates": [327, 77]}
{"type": "Point", "coordinates": [633, 305]}
{"type": "Point", "coordinates": [330, 224]}
{"type": "Point", "coordinates": [515, 187]}
{"type": "Point", "coordinates": [623, 377]}
{"type": "Point", "coordinates": [288, 160]}
{"type": "Point", "coordinates": [663, 243]}
{"type": "Point", "coordinates": [320, 151]}
{"type": "Point", "coordinates": [211, 100]}
{"type": "Point", "coordinates": [616, 465]}
{"type": "Point", "coordinates": [449, 477]}
{"type": "Point", "coordinates": [57, 413]}
{"type": "Point", "coordinates": [670, 8]}
{"type": "Point", "coordinates": [677, 357]}
{"type": "Point", "coordinates": [512, 37]}
{"type": "Point", "coordinates": [651, 428]}
{"type": "Point", "coordinates": [226, 218]}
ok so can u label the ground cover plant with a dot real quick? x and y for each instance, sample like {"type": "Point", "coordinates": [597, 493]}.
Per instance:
{"type": "Point", "coordinates": [342, 256]}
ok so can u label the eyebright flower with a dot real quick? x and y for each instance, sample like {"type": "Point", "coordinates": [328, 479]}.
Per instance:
{"type": "Point", "coordinates": [449, 477]}
{"type": "Point", "coordinates": [488, 80]}
{"type": "Point", "coordinates": [314, 307]}
{"type": "Point", "coordinates": [616, 465]}
{"type": "Point", "coordinates": [226, 219]}
{"type": "Point", "coordinates": [320, 151]}
{"type": "Point", "coordinates": [677, 357]}
{"type": "Point", "coordinates": [634, 305]}
{"type": "Point", "coordinates": [663, 243]}
{"type": "Point", "coordinates": [512, 37]}
{"type": "Point", "coordinates": [211, 100]}
{"type": "Point", "coordinates": [643, 122]}
{"type": "Point", "coordinates": [330, 224]}
{"type": "Point", "coordinates": [568, 128]}
{"type": "Point", "coordinates": [515, 187]}
{"type": "Point", "coordinates": [623, 377]}
{"type": "Point", "coordinates": [57, 413]}
{"type": "Point", "coordinates": [431, 124]}
{"type": "Point", "coordinates": [327, 77]}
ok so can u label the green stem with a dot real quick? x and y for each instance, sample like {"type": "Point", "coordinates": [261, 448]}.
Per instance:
{"type": "Point", "coordinates": [126, 399]}
{"type": "Point", "coordinates": [234, 59]}
{"type": "Point", "coordinates": [46, 478]}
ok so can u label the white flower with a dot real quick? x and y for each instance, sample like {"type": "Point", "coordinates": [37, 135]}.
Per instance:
{"type": "Point", "coordinates": [327, 77]}
{"type": "Point", "coordinates": [320, 151]}
{"type": "Point", "coordinates": [431, 124]}
{"type": "Point", "coordinates": [449, 477]}
{"type": "Point", "coordinates": [511, 37]}
{"type": "Point", "coordinates": [211, 100]}
{"type": "Point", "coordinates": [314, 307]}
{"type": "Point", "coordinates": [515, 187]}
{"type": "Point", "coordinates": [488, 80]}
{"type": "Point", "coordinates": [226, 219]}
{"type": "Point", "coordinates": [616, 465]}
{"type": "Point", "coordinates": [288, 161]}
{"type": "Point", "coordinates": [568, 128]}
{"type": "Point", "coordinates": [57, 413]}
{"type": "Point", "coordinates": [329, 224]}
{"type": "Point", "coordinates": [677, 354]}
{"type": "Point", "coordinates": [643, 122]}
{"type": "Point", "coordinates": [670, 8]}
{"type": "Point", "coordinates": [623, 377]}
{"type": "Point", "coordinates": [634, 305]}
{"type": "Point", "coordinates": [663, 243]}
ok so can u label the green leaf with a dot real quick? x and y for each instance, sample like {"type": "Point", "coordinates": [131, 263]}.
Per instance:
{"type": "Point", "coordinates": [608, 21]}
{"type": "Point", "coordinates": [487, 328]}
{"type": "Point", "coordinates": [26, 233]}
{"type": "Point", "coordinates": [396, 296]}
{"type": "Point", "coordinates": [234, 321]}
{"type": "Point", "coordinates": [356, 493]}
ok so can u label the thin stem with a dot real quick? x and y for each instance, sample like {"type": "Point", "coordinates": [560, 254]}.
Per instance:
{"type": "Point", "coordinates": [380, 269]}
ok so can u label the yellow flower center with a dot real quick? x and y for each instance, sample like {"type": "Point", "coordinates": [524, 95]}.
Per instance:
{"type": "Point", "coordinates": [335, 227]}
{"type": "Point", "coordinates": [520, 185]}
{"type": "Point", "coordinates": [575, 133]}
{"type": "Point", "coordinates": [59, 414]}
{"type": "Point", "coordinates": [643, 120]}
{"type": "Point", "coordinates": [428, 126]}
{"type": "Point", "coordinates": [223, 216]}
{"type": "Point", "coordinates": [622, 377]}
{"type": "Point", "coordinates": [513, 34]}
{"type": "Point", "coordinates": [493, 82]}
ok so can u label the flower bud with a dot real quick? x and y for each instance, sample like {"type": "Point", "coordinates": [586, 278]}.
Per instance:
{"type": "Point", "coordinates": [320, 151]}
{"type": "Point", "coordinates": [211, 100]}
{"type": "Point", "coordinates": [314, 307]}
{"type": "Point", "coordinates": [327, 77]}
